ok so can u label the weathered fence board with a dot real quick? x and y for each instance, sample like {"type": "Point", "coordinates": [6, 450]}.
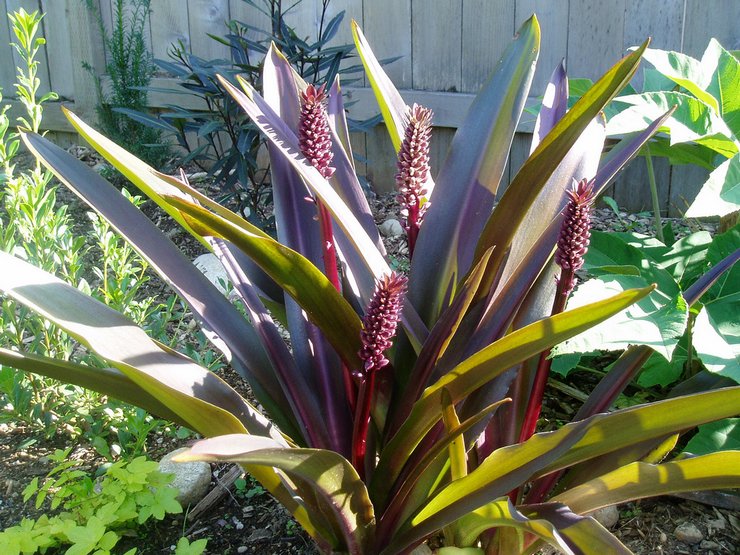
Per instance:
{"type": "Point", "coordinates": [553, 18]}
{"type": "Point", "coordinates": [172, 26]}
{"type": "Point", "coordinates": [445, 50]}
{"type": "Point", "coordinates": [436, 55]}
{"type": "Point", "coordinates": [487, 28]}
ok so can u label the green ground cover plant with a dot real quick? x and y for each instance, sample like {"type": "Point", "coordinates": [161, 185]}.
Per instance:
{"type": "Point", "coordinates": [93, 513]}
{"type": "Point", "coordinates": [376, 443]}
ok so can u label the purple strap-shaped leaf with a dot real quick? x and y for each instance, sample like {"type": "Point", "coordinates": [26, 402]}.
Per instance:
{"type": "Point", "coordinates": [325, 480]}
{"type": "Point", "coordinates": [298, 228]}
{"type": "Point", "coordinates": [554, 105]}
{"type": "Point", "coordinates": [108, 381]}
{"type": "Point", "coordinates": [466, 186]}
{"type": "Point", "coordinates": [348, 187]}
{"type": "Point", "coordinates": [286, 141]}
{"type": "Point", "coordinates": [502, 226]}
{"type": "Point", "coordinates": [582, 534]}
{"type": "Point", "coordinates": [236, 337]}
{"type": "Point", "coordinates": [501, 310]}
{"type": "Point", "coordinates": [292, 381]}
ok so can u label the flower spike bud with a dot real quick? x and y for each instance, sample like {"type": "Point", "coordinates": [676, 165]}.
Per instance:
{"type": "Point", "coordinates": [413, 169]}
{"type": "Point", "coordinates": [314, 135]}
{"type": "Point", "coordinates": [381, 320]}
{"type": "Point", "coordinates": [576, 229]}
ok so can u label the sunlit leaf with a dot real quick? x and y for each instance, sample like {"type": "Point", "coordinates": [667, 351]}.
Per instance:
{"type": "Point", "coordinates": [329, 476]}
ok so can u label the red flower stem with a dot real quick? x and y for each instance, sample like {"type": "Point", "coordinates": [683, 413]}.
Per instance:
{"type": "Point", "coordinates": [362, 422]}
{"type": "Point", "coordinates": [329, 252]}
{"type": "Point", "coordinates": [534, 408]}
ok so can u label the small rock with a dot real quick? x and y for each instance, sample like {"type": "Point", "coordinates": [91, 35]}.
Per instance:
{"type": "Point", "coordinates": [718, 524]}
{"type": "Point", "coordinates": [101, 167]}
{"type": "Point", "coordinates": [242, 549]}
{"type": "Point", "coordinates": [606, 516]}
{"type": "Point", "coordinates": [663, 538]}
{"type": "Point", "coordinates": [391, 228]}
{"type": "Point", "coordinates": [688, 533]}
{"type": "Point", "coordinates": [192, 479]}
{"type": "Point", "coordinates": [213, 269]}
{"type": "Point", "coordinates": [709, 545]}
{"type": "Point", "coordinates": [259, 535]}
{"type": "Point", "coordinates": [423, 549]}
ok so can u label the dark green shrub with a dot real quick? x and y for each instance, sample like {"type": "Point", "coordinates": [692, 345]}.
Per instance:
{"type": "Point", "coordinates": [220, 138]}
{"type": "Point", "coordinates": [130, 67]}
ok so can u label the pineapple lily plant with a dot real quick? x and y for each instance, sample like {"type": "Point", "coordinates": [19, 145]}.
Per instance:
{"type": "Point", "coordinates": [406, 406]}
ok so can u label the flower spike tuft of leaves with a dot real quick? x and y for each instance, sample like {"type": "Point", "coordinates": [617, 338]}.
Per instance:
{"type": "Point", "coordinates": [380, 322]}
{"type": "Point", "coordinates": [413, 171]}
{"type": "Point", "coordinates": [314, 132]}
{"type": "Point", "coordinates": [575, 232]}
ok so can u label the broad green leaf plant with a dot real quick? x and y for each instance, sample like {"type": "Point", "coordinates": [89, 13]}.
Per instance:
{"type": "Point", "coordinates": [704, 129]}
{"type": "Point", "coordinates": [376, 444]}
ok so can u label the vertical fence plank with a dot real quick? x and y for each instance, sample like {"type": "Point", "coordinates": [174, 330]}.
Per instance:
{"type": "Point", "coordinates": [662, 21]}
{"type": "Point", "coordinates": [595, 36]}
{"type": "Point", "coordinates": [711, 18]}
{"type": "Point", "coordinates": [517, 156]}
{"type": "Point", "coordinates": [632, 186]}
{"type": "Point", "coordinates": [387, 26]}
{"type": "Point", "coordinates": [686, 180]}
{"type": "Point", "coordinates": [303, 17]}
{"type": "Point", "coordinates": [169, 21]}
{"type": "Point", "coordinates": [352, 10]}
{"type": "Point", "coordinates": [57, 32]}
{"type": "Point", "coordinates": [7, 65]}
{"type": "Point", "coordinates": [42, 56]}
{"type": "Point", "coordinates": [487, 29]}
{"type": "Point", "coordinates": [381, 158]}
{"type": "Point", "coordinates": [436, 31]}
{"type": "Point", "coordinates": [208, 16]}
{"type": "Point", "coordinates": [553, 18]}
{"type": "Point", "coordinates": [245, 13]}
{"type": "Point", "coordinates": [85, 45]}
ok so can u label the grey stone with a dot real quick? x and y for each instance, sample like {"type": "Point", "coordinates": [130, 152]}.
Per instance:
{"type": "Point", "coordinates": [707, 545]}
{"type": "Point", "coordinates": [213, 269]}
{"type": "Point", "coordinates": [606, 516]}
{"type": "Point", "coordinates": [192, 479]}
{"type": "Point", "coordinates": [391, 228]}
{"type": "Point", "coordinates": [242, 549]}
{"type": "Point", "coordinates": [688, 533]}
{"type": "Point", "coordinates": [259, 535]}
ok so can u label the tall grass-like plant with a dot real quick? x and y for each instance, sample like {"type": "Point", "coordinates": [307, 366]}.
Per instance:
{"type": "Point", "coordinates": [38, 228]}
{"type": "Point", "coordinates": [398, 411]}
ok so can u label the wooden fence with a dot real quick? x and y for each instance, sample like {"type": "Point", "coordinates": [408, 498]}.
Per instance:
{"type": "Point", "coordinates": [447, 49]}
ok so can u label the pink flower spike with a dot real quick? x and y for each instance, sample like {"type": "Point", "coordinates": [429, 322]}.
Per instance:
{"type": "Point", "coordinates": [380, 321]}
{"type": "Point", "coordinates": [314, 135]}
